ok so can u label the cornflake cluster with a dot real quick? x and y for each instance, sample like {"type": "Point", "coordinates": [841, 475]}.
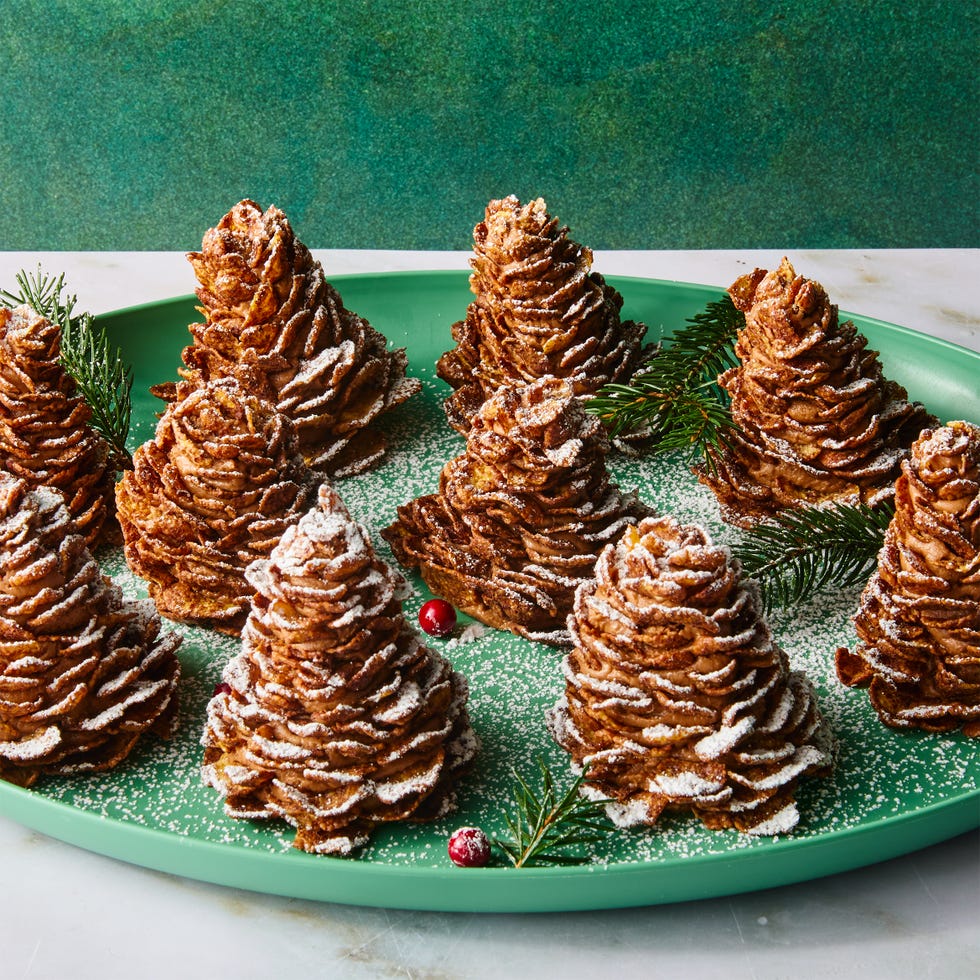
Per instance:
{"type": "Point", "coordinates": [918, 624]}
{"type": "Point", "coordinates": [274, 323]}
{"type": "Point", "coordinates": [335, 717]}
{"type": "Point", "coordinates": [816, 420]}
{"type": "Point", "coordinates": [83, 673]}
{"type": "Point", "coordinates": [46, 437]}
{"type": "Point", "coordinates": [676, 696]}
{"type": "Point", "coordinates": [213, 490]}
{"type": "Point", "coordinates": [539, 310]}
{"type": "Point", "coordinates": [521, 515]}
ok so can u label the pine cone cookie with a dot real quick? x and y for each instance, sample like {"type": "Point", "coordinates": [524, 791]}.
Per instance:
{"type": "Point", "coordinates": [83, 673]}
{"type": "Point", "coordinates": [335, 717]}
{"type": "Point", "coordinates": [676, 696]}
{"type": "Point", "coordinates": [273, 322]}
{"type": "Point", "coordinates": [45, 435]}
{"type": "Point", "coordinates": [210, 493]}
{"type": "Point", "coordinates": [521, 516]}
{"type": "Point", "coordinates": [539, 310]}
{"type": "Point", "coordinates": [816, 419]}
{"type": "Point", "coordinates": [918, 623]}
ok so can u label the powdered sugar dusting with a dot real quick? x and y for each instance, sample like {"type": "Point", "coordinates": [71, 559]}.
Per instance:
{"type": "Point", "coordinates": [512, 681]}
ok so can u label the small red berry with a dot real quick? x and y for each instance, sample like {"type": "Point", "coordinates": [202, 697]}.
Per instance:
{"type": "Point", "coordinates": [437, 617]}
{"type": "Point", "coordinates": [469, 848]}
{"type": "Point", "coordinates": [222, 687]}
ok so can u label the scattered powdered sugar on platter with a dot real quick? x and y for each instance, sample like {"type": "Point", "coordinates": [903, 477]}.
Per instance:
{"type": "Point", "coordinates": [512, 682]}
{"type": "Point", "coordinates": [879, 773]}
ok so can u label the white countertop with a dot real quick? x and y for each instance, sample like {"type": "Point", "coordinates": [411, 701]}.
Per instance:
{"type": "Point", "coordinates": [65, 912]}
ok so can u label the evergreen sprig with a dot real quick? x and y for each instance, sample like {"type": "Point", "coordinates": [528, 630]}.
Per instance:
{"type": "Point", "coordinates": [545, 824]}
{"type": "Point", "coordinates": [673, 403]}
{"type": "Point", "coordinates": [99, 372]}
{"type": "Point", "coordinates": [801, 550]}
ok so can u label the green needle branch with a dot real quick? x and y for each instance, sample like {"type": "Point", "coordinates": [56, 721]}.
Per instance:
{"type": "Point", "coordinates": [545, 824]}
{"type": "Point", "coordinates": [673, 403]}
{"type": "Point", "coordinates": [99, 373]}
{"type": "Point", "coordinates": [800, 551]}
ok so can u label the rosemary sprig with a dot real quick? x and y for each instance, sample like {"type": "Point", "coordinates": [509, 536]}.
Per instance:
{"type": "Point", "coordinates": [42, 293]}
{"type": "Point", "coordinates": [99, 373]}
{"type": "Point", "coordinates": [545, 824]}
{"type": "Point", "coordinates": [103, 380]}
{"type": "Point", "coordinates": [674, 402]}
{"type": "Point", "coordinates": [800, 551]}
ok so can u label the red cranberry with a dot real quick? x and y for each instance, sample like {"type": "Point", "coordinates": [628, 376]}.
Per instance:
{"type": "Point", "coordinates": [437, 617]}
{"type": "Point", "coordinates": [222, 687]}
{"type": "Point", "coordinates": [469, 848]}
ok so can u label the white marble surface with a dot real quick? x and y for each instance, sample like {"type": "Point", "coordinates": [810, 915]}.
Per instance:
{"type": "Point", "coordinates": [67, 913]}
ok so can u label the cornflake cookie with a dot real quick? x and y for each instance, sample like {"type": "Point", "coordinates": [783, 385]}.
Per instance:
{"type": "Point", "coordinates": [210, 493]}
{"type": "Point", "coordinates": [334, 717]}
{"type": "Point", "coordinates": [273, 322]}
{"type": "Point", "coordinates": [816, 421]}
{"type": "Point", "coordinates": [83, 673]}
{"type": "Point", "coordinates": [676, 696]}
{"type": "Point", "coordinates": [539, 310]}
{"type": "Point", "coordinates": [918, 623]}
{"type": "Point", "coordinates": [46, 437]}
{"type": "Point", "coordinates": [521, 516]}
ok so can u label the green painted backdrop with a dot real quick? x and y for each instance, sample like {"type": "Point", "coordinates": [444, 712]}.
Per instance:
{"type": "Point", "coordinates": [132, 124]}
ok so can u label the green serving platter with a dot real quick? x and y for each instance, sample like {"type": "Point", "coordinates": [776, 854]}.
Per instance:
{"type": "Point", "coordinates": [890, 792]}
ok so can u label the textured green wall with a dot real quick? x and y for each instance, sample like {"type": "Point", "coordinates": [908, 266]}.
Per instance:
{"type": "Point", "coordinates": [130, 124]}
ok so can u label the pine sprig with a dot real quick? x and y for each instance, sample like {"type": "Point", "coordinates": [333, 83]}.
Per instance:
{"type": "Point", "coordinates": [545, 824]}
{"type": "Point", "coordinates": [40, 292]}
{"type": "Point", "coordinates": [800, 551]}
{"type": "Point", "coordinates": [99, 373]}
{"type": "Point", "coordinates": [674, 402]}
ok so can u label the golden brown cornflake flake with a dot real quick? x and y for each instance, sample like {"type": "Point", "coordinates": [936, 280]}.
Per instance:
{"type": "Point", "coordinates": [676, 696]}
{"type": "Point", "coordinates": [521, 516]}
{"type": "Point", "coordinates": [273, 322]}
{"type": "Point", "coordinates": [539, 310]}
{"type": "Point", "coordinates": [918, 623]}
{"type": "Point", "coordinates": [210, 493]}
{"type": "Point", "coordinates": [83, 673]}
{"type": "Point", "coordinates": [333, 716]}
{"type": "Point", "coordinates": [816, 419]}
{"type": "Point", "coordinates": [45, 434]}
